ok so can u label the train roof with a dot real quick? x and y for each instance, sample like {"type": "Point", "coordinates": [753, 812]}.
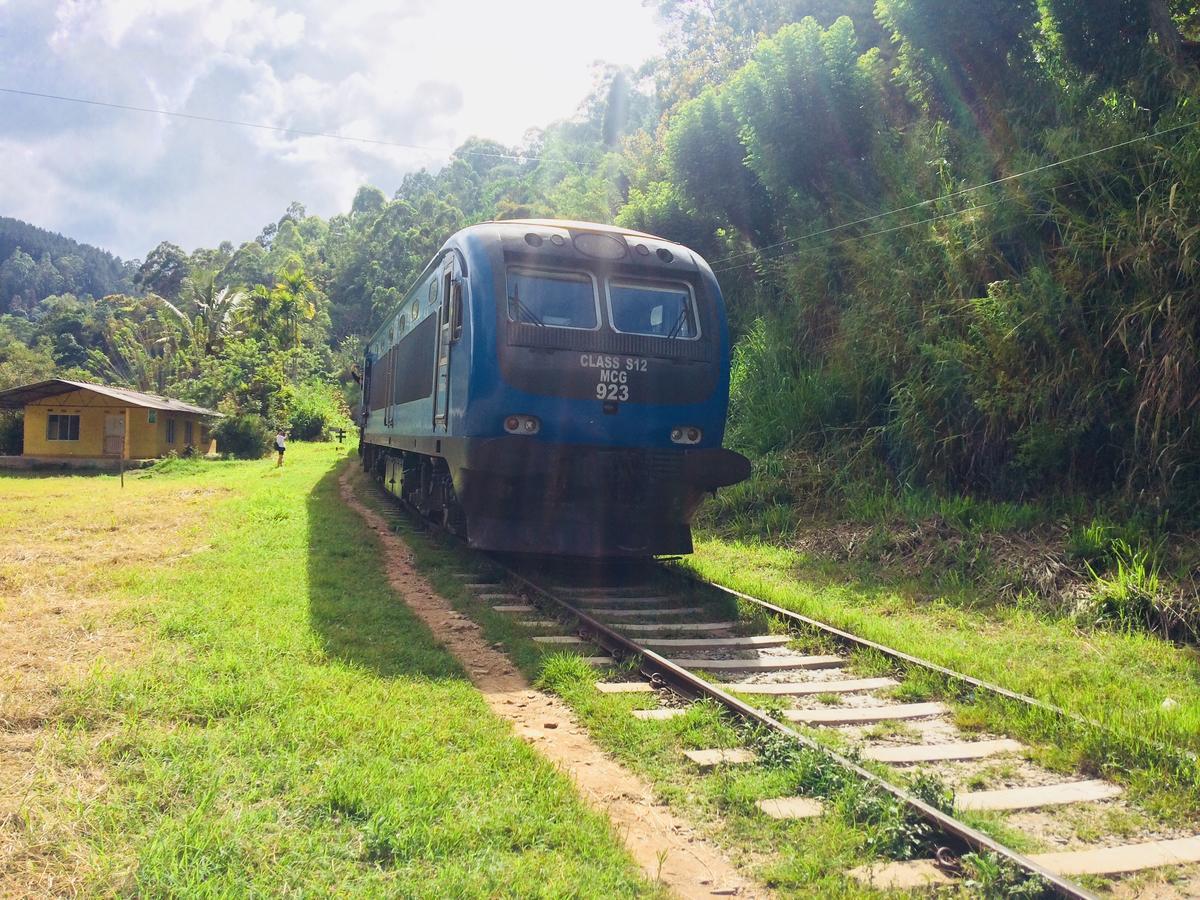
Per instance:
{"type": "Point", "coordinates": [576, 225]}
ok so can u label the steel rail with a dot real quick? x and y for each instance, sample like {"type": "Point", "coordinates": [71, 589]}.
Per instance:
{"type": "Point", "coordinates": [847, 637]}
{"type": "Point", "coordinates": [655, 667]}
{"type": "Point", "coordinates": [659, 669]}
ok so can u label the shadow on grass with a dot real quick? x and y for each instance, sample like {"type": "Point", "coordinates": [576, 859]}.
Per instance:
{"type": "Point", "coordinates": [353, 609]}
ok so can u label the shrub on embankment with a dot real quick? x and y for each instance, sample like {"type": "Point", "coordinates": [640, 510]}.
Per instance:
{"type": "Point", "coordinates": [242, 436]}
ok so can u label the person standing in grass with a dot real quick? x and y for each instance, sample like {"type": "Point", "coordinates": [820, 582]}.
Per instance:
{"type": "Point", "coordinates": [280, 446]}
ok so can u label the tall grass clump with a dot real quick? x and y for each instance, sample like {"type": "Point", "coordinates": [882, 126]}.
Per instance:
{"type": "Point", "coordinates": [1131, 596]}
{"type": "Point", "coordinates": [315, 409]}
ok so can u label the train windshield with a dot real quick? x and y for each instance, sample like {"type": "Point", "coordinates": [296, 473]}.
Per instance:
{"type": "Point", "coordinates": [552, 299]}
{"type": "Point", "coordinates": [655, 309]}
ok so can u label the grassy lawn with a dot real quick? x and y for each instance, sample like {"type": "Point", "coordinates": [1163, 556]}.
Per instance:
{"type": "Point", "coordinates": [254, 711]}
{"type": "Point", "coordinates": [1141, 687]}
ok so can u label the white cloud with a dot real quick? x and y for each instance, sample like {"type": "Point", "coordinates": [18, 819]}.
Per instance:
{"type": "Point", "coordinates": [410, 71]}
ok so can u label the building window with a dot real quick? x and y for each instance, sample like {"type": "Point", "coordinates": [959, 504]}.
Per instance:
{"type": "Point", "coordinates": [62, 428]}
{"type": "Point", "coordinates": [187, 432]}
{"type": "Point", "coordinates": [152, 416]}
{"type": "Point", "coordinates": [170, 431]}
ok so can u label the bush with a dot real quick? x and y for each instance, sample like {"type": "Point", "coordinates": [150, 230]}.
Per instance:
{"type": "Point", "coordinates": [315, 409]}
{"type": "Point", "coordinates": [244, 436]}
{"type": "Point", "coordinates": [776, 403]}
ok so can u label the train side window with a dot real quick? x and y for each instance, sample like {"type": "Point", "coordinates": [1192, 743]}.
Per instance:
{"type": "Point", "coordinates": [654, 309]}
{"type": "Point", "coordinates": [456, 309]}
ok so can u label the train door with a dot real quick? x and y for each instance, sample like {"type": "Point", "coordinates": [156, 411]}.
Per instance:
{"type": "Point", "coordinates": [449, 329]}
{"type": "Point", "coordinates": [368, 395]}
{"type": "Point", "coordinates": [389, 385]}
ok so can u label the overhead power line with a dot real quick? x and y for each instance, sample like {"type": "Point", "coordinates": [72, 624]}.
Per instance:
{"type": "Point", "coordinates": [894, 228]}
{"type": "Point", "coordinates": [953, 194]}
{"type": "Point", "coordinates": [333, 136]}
{"type": "Point", "coordinates": [855, 237]}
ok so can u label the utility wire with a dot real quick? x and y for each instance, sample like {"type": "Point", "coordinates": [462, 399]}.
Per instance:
{"type": "Point", "coordinates": [276, 128]}
{"type": "Point", "coordinates": [953, 194]}
{"type": "Point", "coordinates": [894, 228]}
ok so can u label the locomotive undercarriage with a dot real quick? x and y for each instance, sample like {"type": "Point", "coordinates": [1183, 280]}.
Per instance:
{"type": "Point", "coordinates": [514, 495]}
{"type": "Point", "coordinates": [424, 482]}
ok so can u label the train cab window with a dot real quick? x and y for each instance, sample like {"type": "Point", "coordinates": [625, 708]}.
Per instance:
{"type": "Point", "coordinates": [655, 309]}
{"type": "Point", "coordinates": [553, 299]}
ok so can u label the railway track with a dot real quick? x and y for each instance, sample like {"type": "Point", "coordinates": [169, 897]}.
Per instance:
{"type": "Point", "coordinates": [677, 640]}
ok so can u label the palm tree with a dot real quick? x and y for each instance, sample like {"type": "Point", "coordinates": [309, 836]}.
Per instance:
{"type": "Point", "coordinates": [294, 293]}
{"type": "Point", "coordinates": [215, 311]}
{"type": "Point", "coordinates": [255, 315]}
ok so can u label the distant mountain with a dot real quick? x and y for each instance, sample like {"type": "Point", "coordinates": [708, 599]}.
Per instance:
{"type": "Point", "coordinates": [35, 263]}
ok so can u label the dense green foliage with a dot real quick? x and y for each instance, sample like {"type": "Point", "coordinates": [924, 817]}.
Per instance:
{"type": "Point", "coordinates": [1035, 334]}
{"type": "Point", "coordinates": [242, 436]}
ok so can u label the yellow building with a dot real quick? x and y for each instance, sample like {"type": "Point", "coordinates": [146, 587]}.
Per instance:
{"type": "Point", "coordinates": [75, 420]}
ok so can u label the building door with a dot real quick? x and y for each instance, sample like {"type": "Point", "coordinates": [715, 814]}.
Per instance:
{"type": "Point", "coordinates": [114, 434]}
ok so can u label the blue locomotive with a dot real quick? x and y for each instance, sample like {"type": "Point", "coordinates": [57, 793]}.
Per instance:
{"type": "Point", "coordinates": [554, 387]}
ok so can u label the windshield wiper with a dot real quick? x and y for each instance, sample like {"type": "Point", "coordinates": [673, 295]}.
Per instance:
{"type": "Point", "coordinates": [523, 310]}
{"type": "Point", "coordinates": [679, 322]}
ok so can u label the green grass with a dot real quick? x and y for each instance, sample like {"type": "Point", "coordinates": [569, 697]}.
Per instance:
{"type": "Point", "coordinates": [1118, 678]}
{"type": "Point", "coordinates": [1016, 646]}
{"type": "Point", "coordinates": [288, 727]}
{"type": "Point", "coordinates": [810, 858]}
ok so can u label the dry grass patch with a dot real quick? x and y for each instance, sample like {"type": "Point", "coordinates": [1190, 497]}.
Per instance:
{"type": "Point", "coordinates": [68, 542]}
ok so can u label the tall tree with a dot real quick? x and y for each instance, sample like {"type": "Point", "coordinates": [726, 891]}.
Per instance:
{"type": "Point", "coordinates": [706, 157]}
{"type": "Point", "coordinates": [163, 271]}
{"type": "Point", "coordinates": [814, 75]}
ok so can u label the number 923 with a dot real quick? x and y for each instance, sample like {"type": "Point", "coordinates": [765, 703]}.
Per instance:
{"type": "Point", "coordinates": [612, 391]}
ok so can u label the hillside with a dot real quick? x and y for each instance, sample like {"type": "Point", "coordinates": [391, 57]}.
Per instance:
{"type": "Point", "coordinates": [36, 263]}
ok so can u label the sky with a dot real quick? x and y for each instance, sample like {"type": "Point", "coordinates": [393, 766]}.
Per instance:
{"type": "Point", "coordinates": [417, 72]}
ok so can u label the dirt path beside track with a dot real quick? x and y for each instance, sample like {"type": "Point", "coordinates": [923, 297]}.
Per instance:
{"type": "Point", "coordinates": [666, 847]}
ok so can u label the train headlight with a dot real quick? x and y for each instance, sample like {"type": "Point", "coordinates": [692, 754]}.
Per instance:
{"type": "Point", "coordinates": [519, 424]}
{"type": "Point", "coordinates": [686, 434]}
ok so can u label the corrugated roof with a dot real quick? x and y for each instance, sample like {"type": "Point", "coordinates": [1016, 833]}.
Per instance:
{"type": "Point", "coordinates": [18, 397]}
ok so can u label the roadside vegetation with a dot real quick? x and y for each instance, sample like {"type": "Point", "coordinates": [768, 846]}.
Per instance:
{"type": "Point", "coordinates": [220, 694]}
